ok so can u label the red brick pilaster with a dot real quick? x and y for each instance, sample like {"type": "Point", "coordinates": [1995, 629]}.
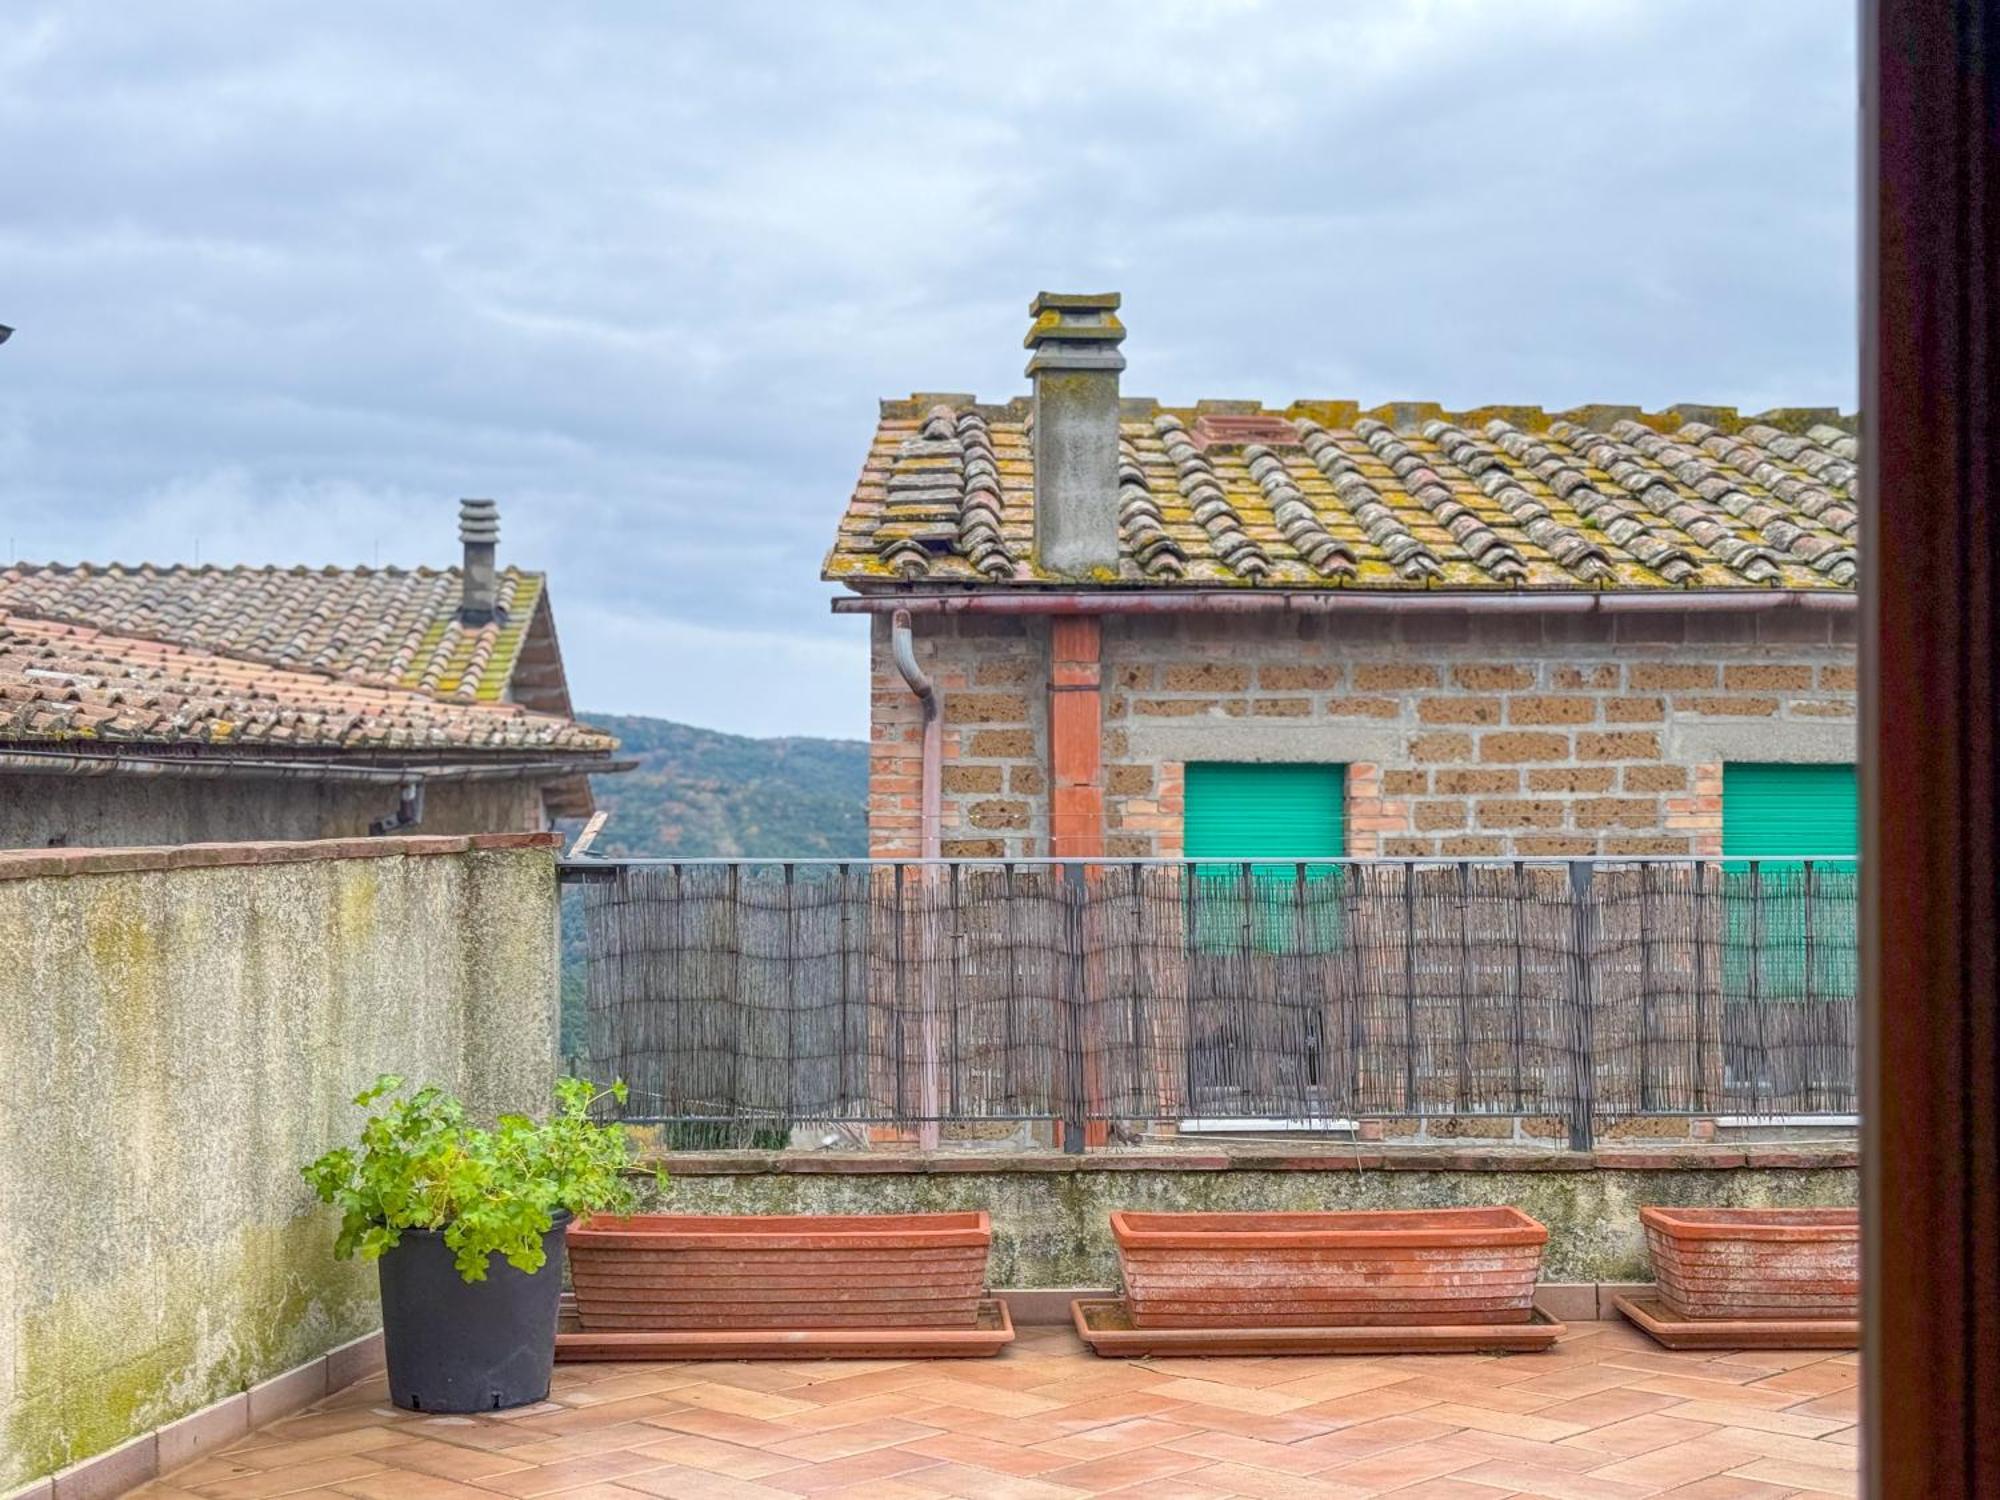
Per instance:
{"type": "Point", "coordinates": [1076, 727]}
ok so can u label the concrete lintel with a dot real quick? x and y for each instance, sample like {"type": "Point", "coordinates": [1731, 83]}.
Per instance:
{"type": "Point", "coordinates": [1254, 740]}
{"type": "Point", "coordinates": [1814, 742]}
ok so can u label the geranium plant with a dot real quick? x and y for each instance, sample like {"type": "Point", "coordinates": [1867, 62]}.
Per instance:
{"type": "Point", "coordinates": [422, 1165]}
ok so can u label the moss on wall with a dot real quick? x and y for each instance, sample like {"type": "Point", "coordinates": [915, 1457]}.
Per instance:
{"type": "Point", "coordinates": [1050, 1229]}
{"type": "Point", "coordinates": [178, 1043]}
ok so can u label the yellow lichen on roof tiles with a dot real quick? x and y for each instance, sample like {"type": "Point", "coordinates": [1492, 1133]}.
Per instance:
{"type": "Point", "coordinates": [66, 682]}
{"type": "Point", "coordinates": [380, 625]}
{"type": "Point", "coordinates": [1405, 496]}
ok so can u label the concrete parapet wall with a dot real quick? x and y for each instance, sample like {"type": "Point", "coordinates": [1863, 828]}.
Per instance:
{"type": "Point", "coordinates": [183, 1028]}
{"type": "Point", "coordinates": [1050, 1212]}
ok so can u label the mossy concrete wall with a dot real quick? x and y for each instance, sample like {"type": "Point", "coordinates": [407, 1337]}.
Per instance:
{"type": "Point", "coordinates": [1050, 1216]}
{"type": "Point", "coordinates": [180, 1030]}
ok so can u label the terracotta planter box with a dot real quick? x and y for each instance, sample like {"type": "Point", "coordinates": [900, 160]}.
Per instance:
{"type": "Point", "coordinates": [1756, 1263]}
{"type": "Point", "coordinates": [1398, 1268]}
{"type": "Point", "coordinates": [727, 1271]}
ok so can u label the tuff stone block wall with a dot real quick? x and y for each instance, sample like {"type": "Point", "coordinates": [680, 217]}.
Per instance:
{"type": "Point", "coordinates": [184, 1028]}
{"type": "Point", "coordinates": [993, 675]}
{"type": "Point", "coordinates": [1465, 735]}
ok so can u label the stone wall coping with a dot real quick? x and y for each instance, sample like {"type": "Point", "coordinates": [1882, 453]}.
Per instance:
{"type": "Point", "coordinates": [1775, 1156]}
{"type": "Point", "coordinates": [31, 864]}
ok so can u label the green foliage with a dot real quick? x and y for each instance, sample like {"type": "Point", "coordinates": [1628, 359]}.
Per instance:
{"type": "Point", "coordinates": [699, 793]}
{"type": "Point", "coordinates": [421, 1164]}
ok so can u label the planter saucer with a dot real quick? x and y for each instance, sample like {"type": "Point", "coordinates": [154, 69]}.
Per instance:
{"type": "Point", "coordinates": [1105, 1325]}
{"type": "Point", "coordinates": [993, 1331]}
{"type": "Point", "coordinates": [1647, 1313]}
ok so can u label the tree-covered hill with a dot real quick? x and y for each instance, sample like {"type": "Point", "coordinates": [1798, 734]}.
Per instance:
{"type": "Point", "coordinates": [698, 793]}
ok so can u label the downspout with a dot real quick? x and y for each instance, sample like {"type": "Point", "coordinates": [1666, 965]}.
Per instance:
{"type": "Point", "coordinates": [931, 795]}
{"type": "Point", "coordinates": [930, 804]}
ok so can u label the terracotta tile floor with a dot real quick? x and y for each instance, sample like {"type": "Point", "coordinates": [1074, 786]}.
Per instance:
{"type": "Point", "coordinates": [1605, 1414]}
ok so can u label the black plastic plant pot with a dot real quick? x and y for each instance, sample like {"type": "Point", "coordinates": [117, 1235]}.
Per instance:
{"type": "Point", "coordinates": [459, 1346]}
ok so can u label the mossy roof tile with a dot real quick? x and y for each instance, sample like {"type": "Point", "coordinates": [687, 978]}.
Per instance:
{"type": "Point", "coordinates": [392, 627]}
{"type": "Point", "coordinates": [1409, 496]}
{"type": "Point", "coordinates": [66, 682]}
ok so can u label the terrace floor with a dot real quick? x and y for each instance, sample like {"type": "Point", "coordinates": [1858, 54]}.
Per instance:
{"type": "Point", "coordinates": [1605, 1414]}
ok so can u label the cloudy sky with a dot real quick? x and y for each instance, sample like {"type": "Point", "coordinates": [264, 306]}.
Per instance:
{"type": "Point", "coordinates": [290, 279]}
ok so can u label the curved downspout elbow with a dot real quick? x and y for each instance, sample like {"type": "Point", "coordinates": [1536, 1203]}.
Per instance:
{"type": "Point", "coordinates": [931, 801]}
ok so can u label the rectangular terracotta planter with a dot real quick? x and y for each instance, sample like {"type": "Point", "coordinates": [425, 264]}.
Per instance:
{"type": "Point", "coordinates": [1756, 1263]}
{"type": "Point", "coordinates": [1376, 1268]}
{"type": "Point", "coordinates": [802, 1271]}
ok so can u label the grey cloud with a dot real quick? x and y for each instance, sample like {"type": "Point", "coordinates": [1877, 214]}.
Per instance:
{"type": "Point", "coordinates": [291, 278]}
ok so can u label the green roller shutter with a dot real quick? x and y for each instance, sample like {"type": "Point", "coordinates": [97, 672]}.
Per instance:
{"type": "Point", "coordinates": [1772, 809]}
{"type": "Point", "coordinates": [1286, 814]}
{"type": "Point", "coordinates": [1781, 815]}
{"type": "Point", "coordinates": [1244, 811]}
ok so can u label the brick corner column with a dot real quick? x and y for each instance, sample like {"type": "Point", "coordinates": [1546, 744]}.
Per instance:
{"type": "Point", "coordinates": [1076, 781]}
{"type": "Point", "coordinates": [1076, 737]}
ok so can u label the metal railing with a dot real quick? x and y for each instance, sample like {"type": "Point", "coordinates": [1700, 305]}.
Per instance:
{"type": "Point", "coordinates": [774, 994]}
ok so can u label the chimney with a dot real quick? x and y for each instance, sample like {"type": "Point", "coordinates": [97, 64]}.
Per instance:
{"type": "Point", "coordinates": [479, 530]}
{"type": "Point", "coordinates": [1075, 365]}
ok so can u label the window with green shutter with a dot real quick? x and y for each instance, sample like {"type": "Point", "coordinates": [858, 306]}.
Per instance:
{"type": "Point", "coordinates": [1279, 817]}
{"type": "Point", "coordinates": [1792, 929]}
{"type": "Point", "coordinates": [1771, 808]}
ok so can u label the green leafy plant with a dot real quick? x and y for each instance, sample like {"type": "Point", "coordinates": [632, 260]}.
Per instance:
{"type": "Point", "coordinates": [421, 1164]}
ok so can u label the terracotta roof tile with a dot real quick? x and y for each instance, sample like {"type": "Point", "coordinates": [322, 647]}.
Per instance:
{"type": "Point", "coordinates": [68, 683]}
{"type": "Point", "coordinates": [393, 627]}
{"type": "Point", "coordinates": [1408, 496]}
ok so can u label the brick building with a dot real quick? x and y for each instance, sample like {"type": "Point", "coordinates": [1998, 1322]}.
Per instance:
{"type": "Point", "coordinates": [1105, 626]}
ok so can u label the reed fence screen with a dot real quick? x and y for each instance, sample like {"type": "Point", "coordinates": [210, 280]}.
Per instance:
{"type": "Point", "coordinates": [892, 992]}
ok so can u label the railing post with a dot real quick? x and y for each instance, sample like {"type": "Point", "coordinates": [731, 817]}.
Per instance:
{"type": "Point", "coordinates": [1583, 1005]}
{"type": "Point", "coordinates": [1809, 1045]}
{"type": "Point", "coordinates": [791, 998]}
{"type": "Point", "coordinates": [899, 1012]}
{"type": "Point", "coordinates": [843, 1094]}
{"type": "Point", "coordinates": [1706, 1100]}
{"type": "Point", "coordinates": [1073, 1000]}
{"type": "Point", "coordinates": [1648, 1015]}
{"type": "Point", "coordinates": [1410, 990]}
{"type": "Point", "coordinates": [1761, 1082]}
{"type": "Point", "coordinates": [1464, 986]}
{"type": "Point", "coordinates": [930, 1127]}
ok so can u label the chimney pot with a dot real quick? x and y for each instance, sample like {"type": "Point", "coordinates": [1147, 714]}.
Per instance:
{"type": "Point", "coordinates": [1074, 364]}
{"type": "Point", "coordinates": [479, 534]}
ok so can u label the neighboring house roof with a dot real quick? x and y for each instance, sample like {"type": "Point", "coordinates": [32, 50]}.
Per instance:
{"type": "Point", "coordinates": [90, 688]}
{"type": "Point", "coordinates": [394, 627]}
{"type": "Point", "coordinates": [1405, 497]}
{"type": "Point", "coordinates": [240, 663]}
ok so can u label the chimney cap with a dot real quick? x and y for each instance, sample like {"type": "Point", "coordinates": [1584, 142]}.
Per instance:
{"type": "Point", "coordinates": [1075, 331]}
{"type": "Point", "coordinates": [478, 521]}
{"type": "Point", "coordinates": [1074, 302]}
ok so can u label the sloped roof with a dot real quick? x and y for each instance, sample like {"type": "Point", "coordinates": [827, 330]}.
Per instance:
{"type": "Point", "coordinates": [74, 684]}
{"type": "Point", "coordinates": [392, 627]}
{"type": "Point", "coordinates": [1405, 497]}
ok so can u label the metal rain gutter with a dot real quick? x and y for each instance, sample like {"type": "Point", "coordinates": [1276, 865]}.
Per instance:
{"type": "Point", "coordinates": [1343, 601]}
{"type": "Point", "coordinates": [65, 763]}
